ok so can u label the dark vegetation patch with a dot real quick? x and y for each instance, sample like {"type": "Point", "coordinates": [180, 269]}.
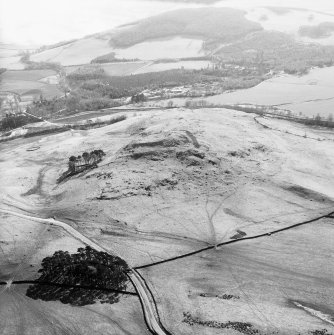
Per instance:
{"type": "Point", "coordinates": [238, 235]}
{"type": "Point", "coordinates": [37, 189]}
{"type": "Point", "coordinates": [111, 58]}
{"type": "Point", "coordinates": [211, 24]}
{"type": "Point", "coordinates": [193, 138]}
{"type": "Point", "coordinates": [220, 296]}
{"type": "Point", "coordinates": [38, 131]}
{"type": "Point", "coordinates": [276, 51]}
{"type": "Point", "coordinates": [242, 327]}
{"type": "Point", "coordinates": [78, 164]}
{"type": "Point", "coordinates": [321, 332]}
{"type": "Point", "coordinates": [31, 65]}
{"type": "Point", "coordinates": [306, 193]}
{"type": "Point", "coordinates": [322, 30]}
{"type": "Point", "coordinates": [263, 110]}
{"type": "Point", "coordinates": [12, 121]}
{"type": "Point", "coordinates": [279, 10]}
{"type": "Point", "coordinates": [87, 267]}
{"type": "Point", "coordinates": [240, 153]}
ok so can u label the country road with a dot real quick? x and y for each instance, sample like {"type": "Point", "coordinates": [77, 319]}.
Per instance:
{"type": "Point", "coordinates": [149, 308]}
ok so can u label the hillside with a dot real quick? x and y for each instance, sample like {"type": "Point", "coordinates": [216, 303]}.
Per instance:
{"type": "Point", "coordinates": [322, 30]}
{"type": "Point", "coordinates": [171, 183]}
{"type": "Point", "coordinates": [277, 51]}
{"type": "Point", "coordinates": [222, 24]}
{"type": "Point", "coordinates": [196, 32]}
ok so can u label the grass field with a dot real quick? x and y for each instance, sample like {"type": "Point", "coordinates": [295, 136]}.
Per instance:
{"type": "Point", "coordinates": [152, 199]}
{"type": "Point", "coordinates": [28, 82]}
{"type": "Point", "coordinates": [79, 52]}
{"type": "Point", "coordinates": [188, 65]}
{"type": "Point", "coordinates": [174, 47]}
{"type": "Point", "coordinates": [113, 69]}
{"type": "Point", "coordinates": [85, 50]}
{"type": "Point", "coordinates": [174, 34]}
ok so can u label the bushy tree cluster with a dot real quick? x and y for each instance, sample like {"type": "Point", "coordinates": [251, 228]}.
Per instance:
{"type": "Point", "coordinates": [87, 160]}
{"type": "Point", "coordinates": [93, 272]}
{"type": "Point", "coordinates": [138, 98]}
{"type": "Point", "coordinates": [12, 121]}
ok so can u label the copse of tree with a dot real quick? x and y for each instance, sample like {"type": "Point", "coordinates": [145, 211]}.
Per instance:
{"type": "Point", "coordinates": [13, 121]}
{"type": "Point", "coordinates": [111, 58]}
{"type": "Point", "coordinates": [31, 65]}
{"type": "Point", "coordinates": [86, 161]}
{"type": "Point", "coordinates": [87, 73]}
{"type": "Point", "coordinates": [85, 268]}
{"type": "Point", "coordinates": [138, 98]}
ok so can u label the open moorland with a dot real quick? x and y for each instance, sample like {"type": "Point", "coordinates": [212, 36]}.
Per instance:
{"type": "Point", "coordinates": [171, 176]}
{"type": "Point", "coordinates": [171, 183]}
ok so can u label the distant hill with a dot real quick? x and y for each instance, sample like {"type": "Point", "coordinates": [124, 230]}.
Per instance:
{"type": "Point", "coordinates": [230, 34]}
{"type": "Point", "coordinates": [204, 2]}
{"type": "Point", "coordinates": [210, 24]}
{"type": "Point", "coordinates": [277, 51]}
{"type": "Point", "coordinates": [322, 30]}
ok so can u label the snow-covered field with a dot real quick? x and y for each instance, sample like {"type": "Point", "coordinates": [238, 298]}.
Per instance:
{"type": "Point", "coordinates": [188, 65]}
{"type": "Point", "coordinates": [85, 50]}
{"type": "Point", "coordinates": [173, 182]}
{"type": "Point", "coordinates": [310, 94]}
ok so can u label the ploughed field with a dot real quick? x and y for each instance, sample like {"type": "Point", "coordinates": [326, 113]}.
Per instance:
{"type": "Point", "coordinates": [173, 182]}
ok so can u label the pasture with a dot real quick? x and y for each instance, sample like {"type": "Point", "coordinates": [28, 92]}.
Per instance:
{"type": "Point", "coordinates": [29, 82]}
{"type": "Point", "coordinates": [113, 69]}
{"type": "Point", "coordinates": [84, 50]}
{"type": "Point", "coordinates": [310, 94]}
{"type": "Point", "coordinates": [176, 47]}
{"type": "Point", "coordinates": [75, 53]}
{"type": "Point", "coordinates": [187, 65]}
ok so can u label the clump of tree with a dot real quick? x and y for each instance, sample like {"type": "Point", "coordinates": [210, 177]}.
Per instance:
{"type": "Point", "coordinates": [31, 65]}
{"type": "Point", "coordinates": [196, 103]}
{"type": "Point", "coordinates": [137, 98]}
{"type": "Point", "coordinates": [2, 70]}
{"type": "Point", "coordinates": [86, 161]}
{"type": "Point", "coordinates": [81, 278]}
{"type": "Point", "coordinates": [13, 121]}
{"type": "Point", "coordinates": [111, 58]}
{"type": "Point", "coordinates": [46, 108]}
{"type": "Point", "coordinates": [87, 73]}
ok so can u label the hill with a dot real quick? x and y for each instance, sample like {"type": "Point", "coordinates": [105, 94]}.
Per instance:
{"type": "Point", "coordinates": [277, 51]}
{"type": "Point", "coordinates": [223, 24]}
{"type": "Point", "coordinates": [171, 183]}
